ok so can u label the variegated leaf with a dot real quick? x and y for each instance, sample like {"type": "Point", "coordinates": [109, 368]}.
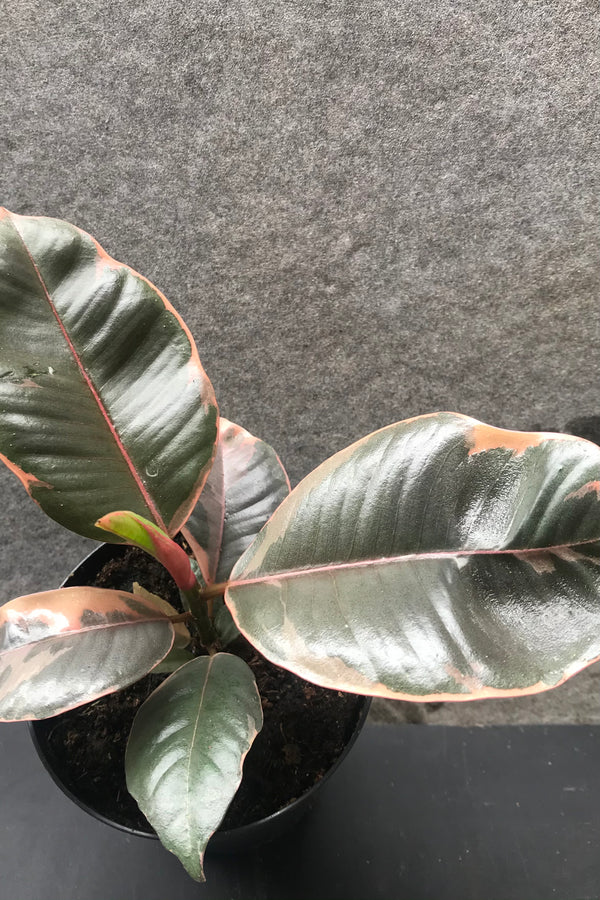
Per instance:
{"type": "Point", "coordinates": [186, 751]}
{"type": "Point", "coordinates": [59, 649]}
{"type": "Point", "coordinates": [436, 558]}
{"type": "Point", "coordinates": [103, 402]}
{"type": "Point", "coordinates": [246, 485]}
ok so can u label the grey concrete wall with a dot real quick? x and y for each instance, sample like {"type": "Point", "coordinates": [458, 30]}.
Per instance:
{"type": "Point", "coordinates": [364, 209]}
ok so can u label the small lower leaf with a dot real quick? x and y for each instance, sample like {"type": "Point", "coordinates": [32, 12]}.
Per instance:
{"type": "Point", "coordinates": [174, 660]}
{"type": "Point", "coordinates": [182, 635]}
{"type": "Point", "coordinates": [186, 750]}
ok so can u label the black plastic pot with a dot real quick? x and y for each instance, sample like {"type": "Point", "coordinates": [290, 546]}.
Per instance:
{"type": "Point", "coordinates": [237, 839]}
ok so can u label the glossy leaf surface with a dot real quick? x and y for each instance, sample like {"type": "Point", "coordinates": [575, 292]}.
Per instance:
{"type": "Point", "coordinates": [186, 750]}
{"type": "Point", "coordinates": [59, 649]}
{"type": "Point", "coordinates": [244, 488]}
{"type": "Point", "coordinates": [438, 557]}
{"type": "Point", "coordinates": [246, 485]}
{"type": "Point", "coordinates": [103, 402]}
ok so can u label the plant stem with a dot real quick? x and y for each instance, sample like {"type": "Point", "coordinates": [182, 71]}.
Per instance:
{"type": "Point", "coordinates": [182, 617]}
{"type": "Point", "coordinates": [214, 590]}
{"type": "Point", "coordinates": [194, 600]}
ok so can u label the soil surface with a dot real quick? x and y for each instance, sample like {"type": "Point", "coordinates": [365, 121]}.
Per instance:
{"type": "Point", "coordinates": [305, 729]}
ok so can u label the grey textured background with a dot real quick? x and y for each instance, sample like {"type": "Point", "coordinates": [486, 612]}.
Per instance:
{"type": "Point", "coordinates": [364, 210]}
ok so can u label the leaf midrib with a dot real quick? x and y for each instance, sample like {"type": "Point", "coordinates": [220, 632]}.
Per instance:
{"type": "Point", "coordinates": [188, 821]}
{"type": "Point", "coordinates": [408, 557]}
{"type": "Point", "coordinates": [86, 630]}
{"type": "Point", "coordinates": [222, 508]}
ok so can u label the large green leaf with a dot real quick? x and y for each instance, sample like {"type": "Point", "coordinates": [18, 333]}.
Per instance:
{"type": "Point", "coordinates": [438, 557]}
{"type": "Point", "coordinates": [186, 750]}
{"type": "Point", "coordinates": [59, 649]}
{"type": "Point", "coordinates": [103, 402]}
{"type": "Point", "coordinates": [244, 488]}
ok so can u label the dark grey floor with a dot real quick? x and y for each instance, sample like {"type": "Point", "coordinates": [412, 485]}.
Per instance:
{"type": "Point", "coordinates": [435, 813]}
{"type": "Point", "coordinates": [365, 210]}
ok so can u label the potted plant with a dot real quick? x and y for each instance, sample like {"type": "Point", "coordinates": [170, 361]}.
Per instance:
{"type": "Point", "coordinates": [437, 558]}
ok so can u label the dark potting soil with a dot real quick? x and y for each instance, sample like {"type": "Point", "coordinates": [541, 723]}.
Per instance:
{"type": "Point", "coordinates": [305, 729]}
